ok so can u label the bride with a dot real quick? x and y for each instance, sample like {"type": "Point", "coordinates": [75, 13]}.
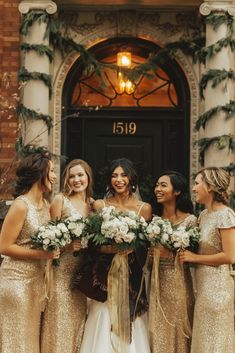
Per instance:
{"type": "Point", "coordinates": [121, 186]}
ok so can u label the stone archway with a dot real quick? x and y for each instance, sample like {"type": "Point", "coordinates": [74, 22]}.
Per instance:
{"type": "Point", "coordinates": [148, 31]}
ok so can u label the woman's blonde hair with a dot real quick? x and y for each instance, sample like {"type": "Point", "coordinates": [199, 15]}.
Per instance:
{"type": "Point", "coordinates": [218, 180]}
{"type": "Point", "coordinates": [66, 187]}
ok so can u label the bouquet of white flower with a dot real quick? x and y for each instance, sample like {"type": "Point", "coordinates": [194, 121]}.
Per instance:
{"type": "Point", "coordinates": [76, 225]}
{"type": "Point", "coordinates": [110, 226]}
{"type": "Point", "coordinates": [183, 238]}
{"type": "Point", "coordinates": [52, 236]}
{"type": "Point", "coordinates": [158, 231]}
{"type": "Point", "coordinates": [162, 232]}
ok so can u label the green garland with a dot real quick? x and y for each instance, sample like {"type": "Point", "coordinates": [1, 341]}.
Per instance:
{"type": "Point", "coordinates": [230, 168]}
{"type": "Point", "coordinates": [25, 150]}
{"type": "Point", "coordinates": [221, 142]}
{"type": "Point", "coordinates": [30, 18]}
{"type": "Point", "coordinates": [21, 110]}
{"type": "Point", "coordinates": [217, 19]}
{"type": "Point", "coordinates": [57, 30]}
{"type": "Point", "coordinates": [228, 109]}
{"type": "Point", "coordinates": [24, 75]}
{"type": "Point", "coordinates": [39, 48]}
{"type": "Point", "coordinates": [216, 76]}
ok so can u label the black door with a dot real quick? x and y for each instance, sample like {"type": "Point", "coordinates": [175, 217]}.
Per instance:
{"type": "Point", "coordinates": [154, 140]}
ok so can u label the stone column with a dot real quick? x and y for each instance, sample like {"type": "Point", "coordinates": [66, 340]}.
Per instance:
{"type": "Point", "coordinates": [220, 95]}
{"type": "Point", "coordinates": [36, 93]}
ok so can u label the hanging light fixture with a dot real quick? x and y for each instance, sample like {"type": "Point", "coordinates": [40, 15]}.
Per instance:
{"type": "Point", "coordinates": [124, 61]}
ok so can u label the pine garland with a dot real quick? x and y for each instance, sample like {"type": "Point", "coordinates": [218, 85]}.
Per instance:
{"type": "Point", "coordinates": [25, 150]}
{"type": "Point", "coordinates": [217, 19]}
{"type": "Point", "coordinates": [230, 168]}
{"type": "Point", "coordinates": [216, 76]}
{"type": "Point", "coordinates": [25, 75]}
{"type": "Point", "coordinates": [21, 110]}
{"type": "Point", "coordinates": [221, 142]}
{"type": "Point", "coordinates": [31, 17]}
{"type": "Point", "coordinates": [228, 109]}
{"type": "Point", "coordinates": [39, 48]}
{"type": "Point", "coordinates": [57, 32]}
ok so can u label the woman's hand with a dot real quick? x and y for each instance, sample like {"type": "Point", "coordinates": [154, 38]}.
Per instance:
{"type": "Point", "coordinates": [187, 256]}
{"type": "Point", "coordinates": [52, 255]}
{"type": "Point", "coordinates": [73, 247]}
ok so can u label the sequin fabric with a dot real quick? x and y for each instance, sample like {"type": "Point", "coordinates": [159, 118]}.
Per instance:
{"type": "Point", "coordinates": [64, 318]}
{"type": "Point", "coordinates": [169, 335]}
{"type": "Point", "coordinates": [213, 329]}
{"type": "Point", "coordinates": [22, 291]}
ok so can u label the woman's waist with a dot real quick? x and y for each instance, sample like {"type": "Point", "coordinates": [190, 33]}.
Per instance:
{"type": "Point", "coordinates": [22, 264]}
{"type": "Point", "coordinates": [210, 270]}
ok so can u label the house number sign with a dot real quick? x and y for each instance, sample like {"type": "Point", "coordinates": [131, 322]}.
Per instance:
{"type": "Point", "coordinates": [124, 128]}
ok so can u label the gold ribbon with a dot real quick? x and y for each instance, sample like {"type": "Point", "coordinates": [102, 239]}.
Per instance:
{"type": "Point", "coordinates": [186, 326]}
{"type": "Point", "coordinates": [118, 304]}
{"type": "Point", "coordinates": [154, 289]}
{"type": "Point", "coordinates": [48, 280]}
{"type": "Point", "coordinates": [154, 298]}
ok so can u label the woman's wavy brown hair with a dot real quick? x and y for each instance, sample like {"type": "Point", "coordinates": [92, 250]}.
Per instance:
{"type": "Point", "coordinates": [31, 169]}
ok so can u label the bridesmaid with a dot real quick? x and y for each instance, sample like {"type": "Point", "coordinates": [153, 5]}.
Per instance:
{"type": "Point", "coordinates": [170, 331]}
{"type": "Point", "coordinates": [213, 328]}
{"type": "Point", "coordinates": [22, 270]}
{"type": "Point", "coordinates": [64, 317]}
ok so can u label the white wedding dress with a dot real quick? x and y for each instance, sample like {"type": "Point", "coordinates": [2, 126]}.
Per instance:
{"type": "Point", "coordinates": [96, 337]}
{"type": "Point", "coordinates": [97, 334]}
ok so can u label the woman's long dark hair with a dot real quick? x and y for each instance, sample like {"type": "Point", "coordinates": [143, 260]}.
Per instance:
{"type": "Point", "coordinates": [183, 200]}
{"type": "Point", "coordinates": [129, 170]}
{"type": "Point", "coordinates": [31, 169]}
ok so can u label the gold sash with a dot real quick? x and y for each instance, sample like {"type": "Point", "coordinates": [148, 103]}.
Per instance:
{"type": "Point", "coordinates": [48, 280]}
{"type": "Point", "coordinates": [118, 304]}
{"type": "Point", "coordinates": [154, 298]}
{"type": "Point", "coordinates": [186, 326]}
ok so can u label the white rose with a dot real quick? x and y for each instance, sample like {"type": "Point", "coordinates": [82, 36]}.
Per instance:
{"type": "Point", "coordinates": [165, 237]}
{"type": "Point", "coordinates": [129, 237]}
{"type": "Point", "coordinates": [46, 241]}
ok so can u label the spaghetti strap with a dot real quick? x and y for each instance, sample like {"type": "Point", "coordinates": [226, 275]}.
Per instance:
{"type": "Point", "coordinates": [104, 204]}
{"type": "Point", "coordinates": [141, 206]}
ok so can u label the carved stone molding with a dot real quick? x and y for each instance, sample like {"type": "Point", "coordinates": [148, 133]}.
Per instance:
{"type": "Point", "coordinates": [221, 6]}
{"type": "Point", "coordinates": [49, 6]}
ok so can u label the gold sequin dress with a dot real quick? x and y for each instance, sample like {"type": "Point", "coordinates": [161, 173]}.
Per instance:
{"type": "Point", "coordinates": [169, 333]}
{"type": "Point", "coordinates": [213, 328]}
{"type": "Point", "coordinates": [22, 291]}
{"type": "Point", "coordinates": [64, 317]}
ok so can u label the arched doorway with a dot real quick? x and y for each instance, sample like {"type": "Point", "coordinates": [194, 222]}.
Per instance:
{"type": "Point", "coordinates": [149, 125]}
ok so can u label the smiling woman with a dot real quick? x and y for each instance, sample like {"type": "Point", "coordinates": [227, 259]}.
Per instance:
{"type": "Point", "coordinates": [213, 328]}
{"type": "Point", "coordinates": [121, 186]}
{"type": "Point", "coordinates": [66, 311]}
{"type": "Point", "coordinates": [22, 293]}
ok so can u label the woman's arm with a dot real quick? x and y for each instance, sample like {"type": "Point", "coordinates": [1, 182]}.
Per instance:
{"type": "Point", "coordinates": [11, 228]}
{"type": "Point", "coordinates": [227, 256]}
{"type": "Point", "coordinates": [56, 207]}
{"type": "Point", "coordinates": [98, 205]}
{"type": "Point", "coordinates": [146, 211]}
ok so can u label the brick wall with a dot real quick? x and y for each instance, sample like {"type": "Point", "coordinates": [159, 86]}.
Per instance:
{"type": "Point", "coordinates": [9, 63]}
